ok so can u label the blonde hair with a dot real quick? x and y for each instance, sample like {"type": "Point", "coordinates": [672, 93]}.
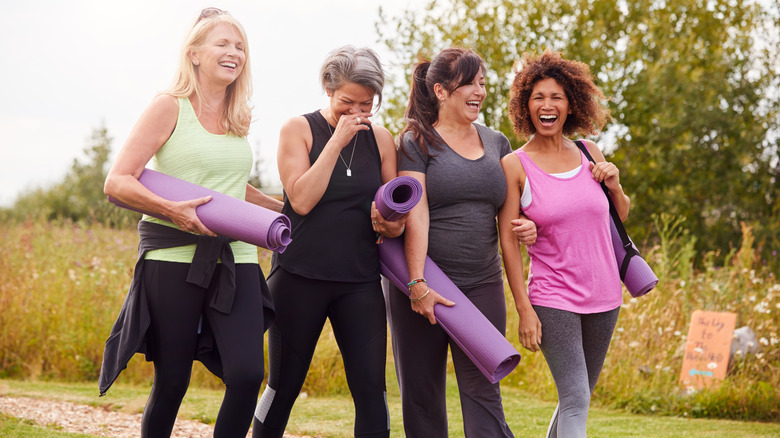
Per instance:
{"type": "Point", "coordinates": [238, 113]}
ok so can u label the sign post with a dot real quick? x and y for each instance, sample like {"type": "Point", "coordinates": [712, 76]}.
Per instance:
{"type": "Point", "coordinates": [707, 349]}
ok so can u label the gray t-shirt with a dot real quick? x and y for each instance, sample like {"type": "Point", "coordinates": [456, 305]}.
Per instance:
{"type": "Point", "coordinates": [463, 198]}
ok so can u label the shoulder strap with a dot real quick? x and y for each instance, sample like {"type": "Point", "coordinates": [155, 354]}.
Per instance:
{"type": "Point", "coordinates": [627, 245]}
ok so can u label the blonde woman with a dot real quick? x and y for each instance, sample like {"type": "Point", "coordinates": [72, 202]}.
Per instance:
{"type": "Point", "coordinates": [196, 131]}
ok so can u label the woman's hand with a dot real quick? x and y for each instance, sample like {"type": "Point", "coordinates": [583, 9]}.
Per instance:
{"type": "Point", "coordinates": [525, 230]}
{"type": "Point", "coordinates": [184, 215]}
{"type": "Point", "coordinates": [387, 228]}
{"type": "Point", "coordinates": [424, 299]}
{"type": "Point", "coordinates": [348, 126]}
{"type": "Point", "coordinates": [606, 172]}
{"type": "Point", "coordinates": [530, 330]}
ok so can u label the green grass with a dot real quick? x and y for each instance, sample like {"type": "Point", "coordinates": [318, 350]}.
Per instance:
{"type": "Point", "coordinates": [332, 416]}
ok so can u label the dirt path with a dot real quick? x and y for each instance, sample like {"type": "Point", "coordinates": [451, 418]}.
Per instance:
{"type": "Point", "coordinates": [74, 417]}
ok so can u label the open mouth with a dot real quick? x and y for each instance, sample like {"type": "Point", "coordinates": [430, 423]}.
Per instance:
{"type": "Point", "coordinates": [548, 119]}
{"type": "Point", "coordinates": [228, 64]}
{"type": "Point", "coordinates": [473, 104]}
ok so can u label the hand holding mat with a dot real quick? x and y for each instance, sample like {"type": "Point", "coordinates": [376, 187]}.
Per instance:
{"type": "Point", "coordinates": [224, 214]}
{"type": "Point", "coordinates": [463, 322]}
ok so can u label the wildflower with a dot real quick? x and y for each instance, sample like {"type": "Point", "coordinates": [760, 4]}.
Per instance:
{"type": "Point", "coordinates": [698, 350]}
{"type": "Point", "coordinates": [763, 341]}
{"type": "Point", "coordinates": [682, 283]}
{"type": "Point", "coordinates": [677, 333]}
{"type": "Point", "coordinates": [633, 344]}
{"type": "Point", "coordinates": [620, 329]}
{"type": "Point", "coordinates": [752, 298]}
{"type": "Point", "coordinates": [712, 365]}
{"type": "Point", "coordinates": [632, 300]}
{"type": "Point", "coordinates": [72, 274]}
{"type": "Point", "coordinates": [304, 396]}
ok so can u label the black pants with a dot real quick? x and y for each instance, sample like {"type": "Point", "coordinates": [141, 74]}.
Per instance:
{"type": "Point", "coordinates": [357, 315]}
{"type": "Point", "coordinates": [176, 309]}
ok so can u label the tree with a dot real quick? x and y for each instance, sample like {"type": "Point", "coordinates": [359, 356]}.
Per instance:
{"type": "Point", "coordinates": [693, 87]}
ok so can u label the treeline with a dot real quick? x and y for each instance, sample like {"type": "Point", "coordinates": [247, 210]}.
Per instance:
{"type": "Point", "coordinates": [693, 88]}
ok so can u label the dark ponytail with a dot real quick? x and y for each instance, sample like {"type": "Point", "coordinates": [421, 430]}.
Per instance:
{"type": "Point", "coordinates": [452, 68]}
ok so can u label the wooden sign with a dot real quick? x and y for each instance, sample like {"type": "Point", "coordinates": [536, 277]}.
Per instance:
{"type": "Point", "coordinates": [708, 347]}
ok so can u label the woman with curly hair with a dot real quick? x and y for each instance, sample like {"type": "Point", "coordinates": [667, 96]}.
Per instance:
{"type": "Point", "coordinates": [571, 305]}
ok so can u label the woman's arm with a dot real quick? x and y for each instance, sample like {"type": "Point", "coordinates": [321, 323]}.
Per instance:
{"type": "Point", "coordinates": [150, 132]}
{"type": "Point", "coordinates": [416, 249]}
{"type": "Point", "coordinates": [257, 197]}
{"type": "Point", "coordinates": [303, 182]}
{"type": "Point", "coordinates": [607, 172]}
{"type": "Point", "coordinates": [529, 328]}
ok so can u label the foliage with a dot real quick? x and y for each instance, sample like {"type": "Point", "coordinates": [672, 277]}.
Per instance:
{"type": "Point", "coordinates": [62, 285]}
{"type": "Point", "coordinates": [79, 196]}
{"type": "Point", "coordinates": [693, 87]}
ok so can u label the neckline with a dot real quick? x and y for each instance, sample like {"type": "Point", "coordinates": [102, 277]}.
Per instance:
{"type": "Point", "coordinates": [479, 133]}
{"type": "Point", "coordinates": [581, 167]}
{"type": "Point", "coordinates": [197, 120]}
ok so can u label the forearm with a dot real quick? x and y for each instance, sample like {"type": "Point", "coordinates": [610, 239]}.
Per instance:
{"type": "Point", "coordinates": [257, 197]}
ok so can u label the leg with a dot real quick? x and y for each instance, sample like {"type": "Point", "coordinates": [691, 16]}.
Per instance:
{"type": "Point", "coordinates": [597, 329]}
{"type": "Point", "coordinates": [359, 325]}
{"type": "Point", "coordinates": [420, 354]}
{"type": "Point", "coordinates": [301, 309]}
{"type": "Point", "coordinates": [175, 309]}
{"type": "Point", "coordinates": [239, 336]}
{"type": "Point", "coordinates": [483, 413]}
{"type": "Point", "coordinates": [563, 351]}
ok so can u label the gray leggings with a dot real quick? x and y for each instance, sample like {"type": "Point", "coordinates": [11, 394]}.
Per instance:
{"type": "Point", "coordinates": [574, 346]}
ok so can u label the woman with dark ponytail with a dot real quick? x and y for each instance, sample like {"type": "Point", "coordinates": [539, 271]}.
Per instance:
{"type": "Point", "coordinates": [458, 163]}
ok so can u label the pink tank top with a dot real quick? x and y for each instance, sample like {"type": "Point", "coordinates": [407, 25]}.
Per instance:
{"type": "Point", "coordinates": [572, 262]}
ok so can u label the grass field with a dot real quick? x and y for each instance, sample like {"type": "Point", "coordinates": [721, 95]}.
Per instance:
{"type": "Point", "coordinates": [332, 416]}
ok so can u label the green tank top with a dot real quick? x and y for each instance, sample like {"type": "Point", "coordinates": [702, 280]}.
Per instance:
{"type": "Point", "coordinates": [218, 162]}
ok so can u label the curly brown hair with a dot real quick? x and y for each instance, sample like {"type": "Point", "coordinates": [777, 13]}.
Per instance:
{"type": "Point", "coordinates": [588, 113]}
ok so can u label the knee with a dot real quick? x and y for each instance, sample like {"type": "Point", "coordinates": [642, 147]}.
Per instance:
{"type": "Point", "coordinates": [249, 379]}
{"type": "Point", "coordinates": [172, 388]}
{"type": "Point", "coordinates": [576, 401]}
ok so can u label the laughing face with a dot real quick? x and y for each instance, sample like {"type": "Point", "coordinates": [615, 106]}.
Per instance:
{"type": "Point", "coordinates": [466, 100]}
{"type": "Point", "coordinates": [220, 59]}
{"type": "Point", "coordinates": [548, 107]}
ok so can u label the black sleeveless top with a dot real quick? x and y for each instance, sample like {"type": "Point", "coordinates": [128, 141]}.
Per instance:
{"type": "Point", "coordinates": [336, 241]}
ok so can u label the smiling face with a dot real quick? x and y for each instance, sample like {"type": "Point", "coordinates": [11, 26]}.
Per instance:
{"type": "Point", "coordinates": [221, 58]}
{"type": "Point", "coordinates": [465, 101]}
{"type": "Point", "coordinates": [350, 98]}
{"type": "Point", "coordinates": [548, 107]}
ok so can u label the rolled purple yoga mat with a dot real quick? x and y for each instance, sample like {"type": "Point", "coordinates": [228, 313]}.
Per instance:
{"type": "Point", "coordinates": [397, 197]}
{"type": "Point", "coordinates": [223, 214]}
{"type": "Point", "coordinates": [639, 278]}
{"type": "Point", "coordinates": [463, 322]}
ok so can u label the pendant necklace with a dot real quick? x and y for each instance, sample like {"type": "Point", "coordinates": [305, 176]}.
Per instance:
{"type": "Point", "coordinates": [354, 144]}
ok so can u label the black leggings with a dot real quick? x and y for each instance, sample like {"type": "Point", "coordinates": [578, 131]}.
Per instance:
{"type": "Point", "coordinates": [176, 308]}
{"type": "Point", "coordinates": [357, 315]}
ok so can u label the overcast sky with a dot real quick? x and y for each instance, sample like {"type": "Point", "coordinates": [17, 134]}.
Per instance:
{"type": "Point", "coordinates": [71, 66]}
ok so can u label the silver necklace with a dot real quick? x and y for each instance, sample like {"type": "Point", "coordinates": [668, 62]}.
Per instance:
{"type": "Point", "coordinates": [354, 144]}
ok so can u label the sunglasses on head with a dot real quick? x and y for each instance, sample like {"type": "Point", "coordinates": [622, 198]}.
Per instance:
{"type": "Point", "coordinates": [210, 12]}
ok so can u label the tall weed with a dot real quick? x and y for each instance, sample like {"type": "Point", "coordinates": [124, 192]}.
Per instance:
{"type": "Point", "coordinates": [62, 284]}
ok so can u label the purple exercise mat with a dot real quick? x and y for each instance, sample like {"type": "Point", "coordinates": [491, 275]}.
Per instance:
{"type": "Point", "coordinates": [639, 279]}
{"type": "Point", "coordinates": [397, 197]}
{"type": "Point", "coordinates": [466, 325]}
{"type": "Point", "coordinates": [223, 214]}
{"type": "Point", "coordinates": [463, 322]}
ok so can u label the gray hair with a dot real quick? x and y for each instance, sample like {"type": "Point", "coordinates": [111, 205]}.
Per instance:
{"type": "Point", "coordinates": [348, 64]}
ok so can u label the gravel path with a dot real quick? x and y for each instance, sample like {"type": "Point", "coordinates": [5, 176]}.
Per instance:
{"type": "Point", "coordinates": [74, 417]}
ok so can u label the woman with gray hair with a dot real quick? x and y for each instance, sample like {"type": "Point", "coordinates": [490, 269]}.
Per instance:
{"type": "Point", "coordinates": [331, 163]}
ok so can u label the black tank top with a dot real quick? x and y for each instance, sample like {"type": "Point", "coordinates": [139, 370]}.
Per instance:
{"type": "Point", "coordinates": [336, 241]}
